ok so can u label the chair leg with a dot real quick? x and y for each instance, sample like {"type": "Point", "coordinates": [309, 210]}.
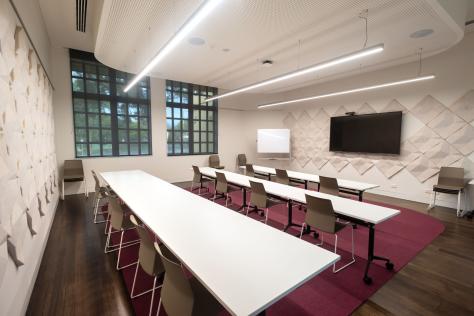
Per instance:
{"type": "Point", "coordinates": [108, 238]}
{"type": "Point", "coordinates": [302, 230]}
{"type": "Point", "coordinates": [266, 215]}
{"type": "Point", "coordinates": [458, 211]}
{"type": "Point", "coordinates": [247, 212]}
{"type": "Point", "coordinates": [433, 204]}
{"type": "Point", "coordinates": [159, 308]}
{"type": "Point", "coordinates": [334, 270]}
{"type": "Point", "coordinates": [86, 193]}
{"type": "Point", "coordinates": [226, 199]}
{"type": "Point", "coordinates": [132, 295]}
{"type": "Point", "coordinates": [152, 295]}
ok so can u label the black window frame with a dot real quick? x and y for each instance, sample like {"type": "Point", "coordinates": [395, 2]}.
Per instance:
{"type": "Point", "coordinates": [175, 93]}
{"type": "Point", "coordinates": [116, 80]}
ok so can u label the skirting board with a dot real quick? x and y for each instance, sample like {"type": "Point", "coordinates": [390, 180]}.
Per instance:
{"type": "Point", "coordinates": [29, 289]}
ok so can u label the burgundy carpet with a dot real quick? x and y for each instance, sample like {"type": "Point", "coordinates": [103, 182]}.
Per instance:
{"type": "Point", "coordinates": [399, 239]}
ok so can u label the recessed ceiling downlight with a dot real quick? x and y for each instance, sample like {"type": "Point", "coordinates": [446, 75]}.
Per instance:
{"type": "Point", "coordinates": [422, 33]}
{"type": "Point", "coordinates": [197, 41]}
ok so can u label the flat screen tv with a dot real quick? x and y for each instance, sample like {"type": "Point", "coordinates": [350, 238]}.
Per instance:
{"type": "Point", "coordinates": [367, 133]}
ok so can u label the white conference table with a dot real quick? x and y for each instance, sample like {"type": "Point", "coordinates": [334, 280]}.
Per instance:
{"type": "Point", "coordinates": [358, 212]}
{"type": "Point", "coordinates": [346, 186]}
{"type": "Point", "coordinates": [245, 264]}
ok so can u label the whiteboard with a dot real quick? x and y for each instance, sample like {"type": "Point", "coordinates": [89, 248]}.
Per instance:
{"type": "Point", "coordinates": [273, 141]}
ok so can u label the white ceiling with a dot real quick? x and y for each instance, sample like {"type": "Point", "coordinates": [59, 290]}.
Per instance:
{"type": "Point", "coordinates": [60, 19]}
{"type": "Point", "coordinates": [293, 33]}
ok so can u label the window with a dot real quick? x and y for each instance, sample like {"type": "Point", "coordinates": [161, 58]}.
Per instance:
{"type": "Point", "coordinates": [191, 124]}
{"type": "Point", "coordinates": [108, 121]}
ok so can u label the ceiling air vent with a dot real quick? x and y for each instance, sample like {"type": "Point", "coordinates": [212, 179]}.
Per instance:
{"type": "Point", "coordinates": [81, 14]}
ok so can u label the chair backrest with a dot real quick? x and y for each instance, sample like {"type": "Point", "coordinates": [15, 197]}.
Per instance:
{"type": "Point", "coordinates": [176, 294]}
{"type": "Point", "coordinates": [116, 212]}
{"type": "Point", "coordinates": [451, 176]}
{"type": "Point", "coordinates": [282, 176]}
{"type": "Point", "coordinates": [320, 214]}
{"type": "Point", "coordinates": [249, 170]}
{"type": "Point", "coordinates": [197, 174]}
{"type": "Point", "coordinates": [73, 169]}
{"type": "Point", "coordinates": [258, 197]}
{"type": "Point", "coordinates": [97, 182]}
{"type": "Point", "coordinates": [241, 160]}
{"type": "Point", "coordinates": [221, 183]}
{"type": "Point", "coordinates": [214, 161]}
{"type": "Point", "coordinates": [147, 256]}
{"type": "Point", "coordinates": [328, 185]}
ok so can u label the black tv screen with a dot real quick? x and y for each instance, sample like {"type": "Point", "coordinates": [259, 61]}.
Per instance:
{"type": "Point", "coordinates": [367, 133]}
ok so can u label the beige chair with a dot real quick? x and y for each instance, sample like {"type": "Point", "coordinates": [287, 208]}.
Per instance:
{"type": "Point", "coordinates": [320, 215]}
{"type": "Point", "coordinates": [214, 162]}
{"type": "Point", "coordinates": [223, 188]}
{"type": "Point", "coordinates": [200, 180]}
{"type": "Point", "coordinates": [101, 193]}
{"type": "Point", "coordinates": [250, 172]}
{"type": "Point", "coordinates": [241, 160]}
{"type": "Point", "coordinates": [260, 200]}
{"type": "Point", "coordinates": [181, 296]}
{"type": "Point", "coordinates": [328, 185]}
{"type": "Point", "coordinates": [74, 172]}
{"type": "Point", "coordinates": [450, 181]}
{"type": "Point", "coordinates": [120, 223]}
{"type": "Point", "coordinates": [148, 260]}
{"type": "Point", "coordinates": [283, 178]}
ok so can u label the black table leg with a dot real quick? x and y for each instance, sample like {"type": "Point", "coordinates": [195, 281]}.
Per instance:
{"type": "Point", "coordinates": [290, 217]}
{"type": "Point", "coordinates": [306, 184]}
{"type": "Point", "coordinates": [244, 199]}
{"type": "Point", "coordinates": [371, 257]}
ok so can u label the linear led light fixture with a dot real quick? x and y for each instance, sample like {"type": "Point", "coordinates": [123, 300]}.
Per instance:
{"type": "Point", "coordinates": [201, 13]}
{"type": "Point", "coordinates": [379, 86]}
{"type": "Point", "coordinates": [327, 64]}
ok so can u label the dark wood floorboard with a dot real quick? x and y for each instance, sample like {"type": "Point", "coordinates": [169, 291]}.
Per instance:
{"type": "Point", "coordinates": [77, 278]}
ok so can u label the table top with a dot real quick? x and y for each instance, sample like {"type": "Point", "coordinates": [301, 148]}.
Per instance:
{"type": "Point", "coordinates": [366, 212]}
{"type": "Point", "coordinates": [346, 184]}
{"type": "Point", "coordinates": [242, 262]}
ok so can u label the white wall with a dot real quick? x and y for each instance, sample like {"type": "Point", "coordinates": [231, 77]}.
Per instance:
{"type": "Point", "coordinates": [455, 78]}
{"type": "Point", "coordinates": [28, 173]}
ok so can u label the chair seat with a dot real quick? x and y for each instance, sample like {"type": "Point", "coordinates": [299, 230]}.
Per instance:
{"type": "Point", "coordinates": [272, 202]}
{"type": "Point", "coordinates": [447, 188]}
{"type": "Point", "coordinates": [204, 303]}
{"type": "Point", "coordinates": [218, 167]}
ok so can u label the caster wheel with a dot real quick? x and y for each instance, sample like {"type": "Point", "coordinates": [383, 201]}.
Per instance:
{"type": "Point", "coordinates": [389, 266]}
{"type": "Point", "coordinates": [315, 235]}
{"type": "Point", "coordinates": [367, 280]}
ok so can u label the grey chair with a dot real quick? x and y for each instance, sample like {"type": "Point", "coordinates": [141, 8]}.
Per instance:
{"type": "Point", "coordinates": [182, 296]}
{"type": "Point", "coordinates": [283, 178]}
{"type": "Point", "coordinates": [214, 162]}
{"type": "Point", "coordinates": [74, 172]}
{"type": "Point", "coordinates": [250, 172]}
{"type": "Point", "coordinates": [260, 200]}
{"type": "Point", "coordinates": [120, 223]}
{"type": "Point", "coordinates": [328, 185]}
{"type": "Point", "coordinates": [101, 193]}
{"type": "Point", "coordinates": [241, 160]}
{"type": "Point", "coordinates": [200, 180]}
{"type": "Point", "coordinates": [320, 215]}
{"type": "Point", "coordinates": [148, 260]}
{"type": "Point", "coordinates": [450, 181]}
{"type": "Point", "coordinates": [223, 188]}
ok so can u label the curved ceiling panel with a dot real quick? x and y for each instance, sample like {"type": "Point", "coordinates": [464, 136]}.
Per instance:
{"type": "Point", "coordinates": [239, 34]}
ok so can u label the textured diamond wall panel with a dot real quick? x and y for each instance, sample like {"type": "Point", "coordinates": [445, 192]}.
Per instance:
{"type": "Point", "coordinates": [443, 138]}
{"type": "Point", "coordinates": [464, 107]}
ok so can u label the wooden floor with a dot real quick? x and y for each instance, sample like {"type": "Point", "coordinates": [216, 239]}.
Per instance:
{"type": "Point", "coordinates": [77, 278]}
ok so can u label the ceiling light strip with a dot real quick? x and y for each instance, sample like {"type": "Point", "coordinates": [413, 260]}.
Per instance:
{"type": "Point", "coordinates": [327, 64]}
{"type": "Point", "coordinates": [379, 86]}
{"type": "Point", "coordinates": [202, 12]}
